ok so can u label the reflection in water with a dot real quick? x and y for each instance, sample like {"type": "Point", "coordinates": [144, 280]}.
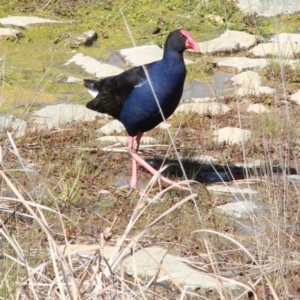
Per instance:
{"type": "Point", "coordinates": [216, 86]}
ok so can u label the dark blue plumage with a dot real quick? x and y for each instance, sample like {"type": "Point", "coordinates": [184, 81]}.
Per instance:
{"type": "Point", "coordinates": [129, 98]}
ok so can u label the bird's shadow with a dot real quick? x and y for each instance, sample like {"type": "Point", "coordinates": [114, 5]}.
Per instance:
{"type": "Point", "coordinates": [212, 173]}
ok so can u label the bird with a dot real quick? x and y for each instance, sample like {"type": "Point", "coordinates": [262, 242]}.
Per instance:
{"type": "Point", "coordinates": [132, 97]}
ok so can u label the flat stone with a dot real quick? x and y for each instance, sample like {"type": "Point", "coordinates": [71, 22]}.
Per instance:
{"type": "Point", "coordinates": [93, 66]}
{"type": "Point", "coordinates": [71, 79]}
{"type": "Point", "coordinates": [287, 50]}
{"type": "Point", "coordinates": [296, 97]}
{"type": "Point", "coordinates": [205, 159]}
{"type": "Point", "coordinates": [242, 210]}
{"type": "Point", "coordinates": [247, 79]}
{"type": "Point", "coordinates": [144, 55]}
{"type": "Point", "coordinates": [222, 189]}
{"type": "Point", "coordinates": [231, 135]}
{"type": "Point", "coordinates": [55, 115]}
{"type": "Point", "coordinates": [284, 38]}
{"type": "Point", "coordinates": [258, 108]}
{"type": "Point", "coordinates": [141, 265]}
{"type": "Point", "coordinates": [124, 140]}
{"type": "Point", "coordinates": [294, 179]}
{"type": "Point", "coordinates": [14, 125]}
{"type": "Point", "coordinates": [201, 108]}
{"type": "Point", "coordinates": [23, 21]}
{"type": "Point", "coordinates": [85, 39]}
{"type": "Point", "coordinates": [257, 91]}
{"type": "Point", "coordinates": [6, 32]}
{"type": "Point", "coordinates": [241, 63]}
{"type": "Point", "coordinates": [267, 8]}
{"type": "Point", "coordinates": [111, 127]}
{"type": "Point", "coordinates": [229, 41]}
{"type": "Point", "coordinates": [251, 163]}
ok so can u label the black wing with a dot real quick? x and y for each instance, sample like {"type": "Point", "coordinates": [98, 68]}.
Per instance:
{"type": "Point", "coordinates": [114, 90]}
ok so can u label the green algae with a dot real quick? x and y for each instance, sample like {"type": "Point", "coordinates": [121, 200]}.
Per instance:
{"type": "Point", "coordinates": [34, 65]}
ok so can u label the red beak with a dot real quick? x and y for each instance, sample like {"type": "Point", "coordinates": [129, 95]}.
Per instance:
{"type": "Point", "coordinates": [190, 42]}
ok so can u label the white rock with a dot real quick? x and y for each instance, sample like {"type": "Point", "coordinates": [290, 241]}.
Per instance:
{"type": "Point", "coordinates": [111, 127]}
{"type": "Point", "coordinates": [287, 50]}
{"type": "Point", "coordinates": [252, 163]}
{"type": "Point", "coordinates": [241, 63]}
{"type": "Point", "coordinates": [240, 210]}
{"type": "Point", "coordinates": [55, 115]}
{"type": "Point", "coordinates": [144, 55]}
{"type": "Point", "coordinates": [258, 108]}
{"type": "Point", "coordinates": [284, 38]}
{"type": "Point", "coordinates": [201, 108]}
{"type": "Point", "coordinates": [93, 66]}
{"type": "Point", "coordinates": [23, 21]}
{"type": "Point", "coordinates": [4, 32]}
{"type": "Point", "coordinates": [231, 135]}
{"type": "Point", "coordinates": [269, 8]}
{"type": "Point", "coordinates": [124, 140]}
{"type": "Point", "coordinates": [247, 79]}
{"type": "Point", "coordinates": [222, 189]}
{"type": "Point", "coordinates": [14, 125]}
{"type": "Point", "coordinates": [229, 41]}
{"type": "Point", "coordinates": [143, 265]}
{"type": "Point", "coordinates": [296, 97]}
{"type": "Point", "coordinates": [71, 79]}
{"type": "Point", "coordinates": [257, 91]}
{"type": "Point", "coordinates": [205, 159]}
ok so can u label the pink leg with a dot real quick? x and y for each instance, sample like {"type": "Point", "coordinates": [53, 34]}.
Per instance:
{"type": "Point", "coordinates": [133, 149]}
{"type": "Point", "coordinates": [133, 146]}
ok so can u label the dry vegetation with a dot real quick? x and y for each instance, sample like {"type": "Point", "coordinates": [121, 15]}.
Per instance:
{"type": "Point", "coordinates": [53, 194]}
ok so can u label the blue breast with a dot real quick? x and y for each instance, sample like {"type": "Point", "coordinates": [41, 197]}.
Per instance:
{"type": "Point", "coordinates": [140, 111]}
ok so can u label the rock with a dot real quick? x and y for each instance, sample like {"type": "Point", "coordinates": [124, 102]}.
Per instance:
{"type": "Point", "coordinates": [8, 32]}
{"type": "Point", "coordinates": [259, 90]}
{"type": "Point", "coordinates": [85, 39]}
{"type": "Point", "coordinates": [258, 108]}
{"type": "Point", "coordinates": [71, 79]}
{"type": "Point", "coordinates": [251, 163]}
{"type": "Point", "coordinates": [205, 159]}
{"type": "Point", "coordinates": [247, 79]}
{"type": "Point", "coordinates": [286, 50]}
{"type": "Point", "coordinates": [296, 97]}
{"type": "Point", "coordinates": [267, 8]}
{"type": "Point", "coordinates": [242, 210]}
{"type": "Point", "coordinates": [23, 22]}
{"type": "Point", "coordinates": [294, 179]}
{"type": "Point", "coordinates": [144, 55]}
{"type": "Point", "coordinates": [55, 115]}
{"type": "Point", "coordinates": [241, 63]}
{"type": "Point", "coordinates": [222, 189]}
{"type": "Point", "coordinates": [201, 108]}
{"type": "Point", "coordinates": [231, 135]}
{"type": "Point", "coordinates": [124, 140]}
{"type": "Point", "coordinates": [284, 38]}
{"type": "Point", "coordinates": [93, 66]}
{"type": "Point", "coordinates": [229, 41]}
{"type": "Point", "coordinates": [111, 127]}
{"type": "Point", "coordinates": [14, 125]}
{"type": "Point", "coordinates": [141, 265]}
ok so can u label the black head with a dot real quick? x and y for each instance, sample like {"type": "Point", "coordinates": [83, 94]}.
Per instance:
{"type": "Point", "coordinates": [180, 40]}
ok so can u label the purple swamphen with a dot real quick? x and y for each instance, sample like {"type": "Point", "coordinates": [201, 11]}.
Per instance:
{"type": "Point", "coordinates": [129, 96]}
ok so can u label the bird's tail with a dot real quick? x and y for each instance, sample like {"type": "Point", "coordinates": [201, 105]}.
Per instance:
{"type": "Point", "coordinates": [92, 86]}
